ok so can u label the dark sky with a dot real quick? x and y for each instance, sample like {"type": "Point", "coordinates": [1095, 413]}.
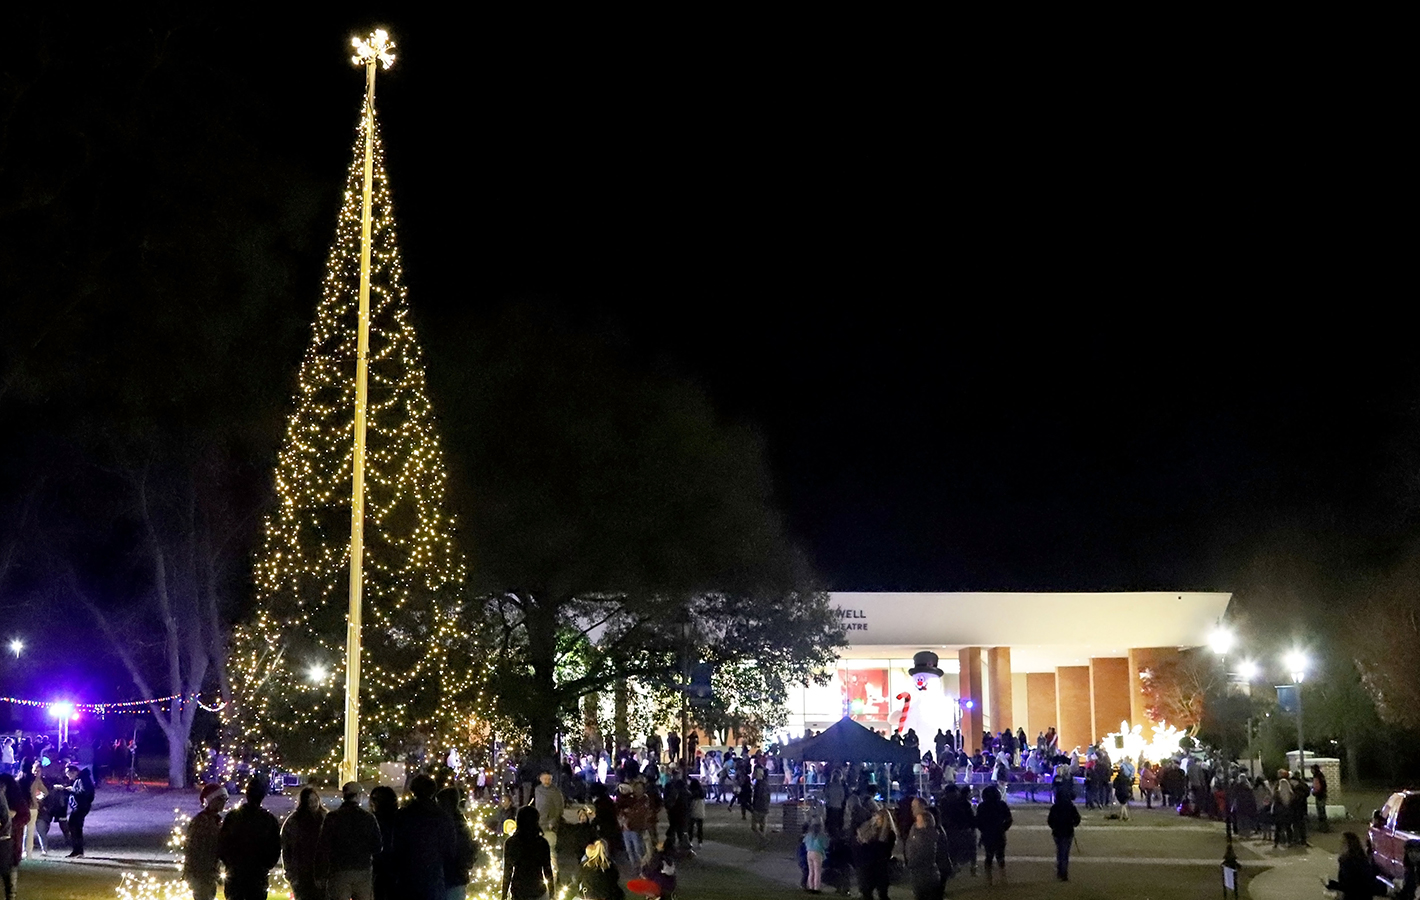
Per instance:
{"type": "Point", "coordinates": [1002, 326]}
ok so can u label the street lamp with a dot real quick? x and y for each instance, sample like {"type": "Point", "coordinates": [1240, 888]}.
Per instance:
{"type": "Point", "coordinates": [16, 647]}
{"type": "Point", "coordinates": [1296, 663]}
{"type": "Point", "coordinates": [1222, 640]}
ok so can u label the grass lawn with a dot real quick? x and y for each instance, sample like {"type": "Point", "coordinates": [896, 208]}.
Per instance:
{"type": "Point", "coordinates": [61, 881]}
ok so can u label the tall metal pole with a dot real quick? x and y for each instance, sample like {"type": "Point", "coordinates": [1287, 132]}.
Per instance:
{"type": "Point", "coordinates": [368, 52]}
{"type": "Point", "coordinates": [1301, 753]}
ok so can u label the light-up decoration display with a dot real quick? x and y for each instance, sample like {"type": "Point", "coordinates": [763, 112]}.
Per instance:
{"type": "Point", "coordinates": [1162, 745]}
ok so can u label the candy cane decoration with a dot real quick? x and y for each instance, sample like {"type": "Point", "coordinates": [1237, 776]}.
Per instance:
{"type": "Point", "coordinates": [906, 699]}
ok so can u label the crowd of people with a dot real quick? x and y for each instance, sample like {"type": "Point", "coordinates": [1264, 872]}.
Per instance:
{"type": "Point", "coordinates": [421, 850]}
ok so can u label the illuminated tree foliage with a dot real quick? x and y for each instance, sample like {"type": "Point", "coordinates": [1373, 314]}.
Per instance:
{"type": "Point", "coordinates": [1175, 691]}
{"type": "Point", "coordinates": [288, 662]}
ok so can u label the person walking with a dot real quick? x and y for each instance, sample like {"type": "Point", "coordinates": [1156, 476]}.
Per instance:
{"type": "Point", "coordinates": [759, 816]}
{"type": "Point", "coordinates": [249, 845]}
{"type": "Point", "coordinates": [79, 798]}
{"type": "Point", "coordinates": [550, 803]}
{"type": "Point", "coordinates": [300, 834]}
{"type": "Point", "coordinates": [696, 832]}
{"type": "Point", "coordinates": [346, 849]}
{"type": "Point", "coordinates": [815, 851]}
{"type": "Point", "coordinates": [1063, 819]}
{"type": "Point", "coordinates": [527, 860]}
{"type": "Point", "coordinates": [458, 869]}
{"type": "Point", "coordinates": [677, 804]}
{"type": "Point", "coordinates": [598, 878]}
{"type": "Point", "coordinates": [1123, 790]}
{"type": "Point", "coordinates": [423, 843]}
{"type": "Point", "coordinates": [993, 820]}
{"type": "Point", "coordinates": [200, 866]}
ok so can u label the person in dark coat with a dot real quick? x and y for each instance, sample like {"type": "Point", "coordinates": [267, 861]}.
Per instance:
{"type": "Point", "coordinates": [349, 843]}
{"type": "Point", "coordinates": [527, 860]}
{"type": "Point", "coordinates": [456, 870]}
{"type": "Point", "coordinates": [423, 845]}
{"type": "Point", "coordinates": [249, 845]}
{"type": "Point", "coordinates": [1064, 818]}
{"type": "Point", "coordinates": [993, 819]}
{"type": "Point", "coordinates": [959, 822]}
{"type": "Point", "coordinates": [384, 804]}
{"type": "Point", "coordinates": [873, 854]}
{"type": "Point", "coordinates": [920, 854]}
{"type": "Point", "coordinates": [604, 817]}
{"type": "Point", "coordinates": [80, 800]}
{"type": "Point", "coordinates": [299, 836]}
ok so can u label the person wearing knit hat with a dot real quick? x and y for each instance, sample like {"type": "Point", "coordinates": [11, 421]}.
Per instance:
{"type": "Point", "coordinates": [199, 864]}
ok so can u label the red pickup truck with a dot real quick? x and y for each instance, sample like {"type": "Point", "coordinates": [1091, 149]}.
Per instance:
{"type": "Point", "coordinates": [1395, 836]}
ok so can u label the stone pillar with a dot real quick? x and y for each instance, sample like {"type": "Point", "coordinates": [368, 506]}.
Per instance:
{"type": "Point", "coordinates": [970, 680]}
{"type": "Point", "coordinates": [1109, 694]}
{"type": "Point", "coordinates": [1072, 706]}
{"type": "Point", "coordinates": [998, 660]}
{"type": "Point", "coordinates": [1040, 703]}
{"type": "Point", "coordinates": [1141, 658]}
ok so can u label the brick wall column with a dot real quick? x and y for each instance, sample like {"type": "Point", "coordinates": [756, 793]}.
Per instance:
{"type": "Point", "coordinates": [970, 680]}
{"type": "Point", "coordinates": [1109, 695]}
{"type": "Point", "coordinates": [1002, 691]}
{"type": "Point", "coordinates": [1040, 703]}
{"type": "Point", "coordinates": [1072, 706]}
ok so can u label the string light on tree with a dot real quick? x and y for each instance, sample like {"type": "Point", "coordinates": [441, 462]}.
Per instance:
{"type": "Point", "coordinates": [419, 671]}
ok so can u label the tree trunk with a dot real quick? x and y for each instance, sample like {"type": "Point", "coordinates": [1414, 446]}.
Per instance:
{"type": "Point", "coordinates": [591, 728]}
{"type": "Point", "coordinates": [541, 623]}
{"type": "Point", "coordinates": [620, 727]}
{"type": "Point", "coordinates": [177, 755]}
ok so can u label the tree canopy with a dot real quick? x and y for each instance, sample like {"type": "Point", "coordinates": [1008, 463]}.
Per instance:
{"type": "Point", "coordinates": [615, 521]}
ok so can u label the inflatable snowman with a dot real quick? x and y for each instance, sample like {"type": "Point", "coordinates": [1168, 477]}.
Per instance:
{"type": "Point", "coordinates": [923, 707]}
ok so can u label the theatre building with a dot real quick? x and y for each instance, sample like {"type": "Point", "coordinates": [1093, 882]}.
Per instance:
{"type": "Point", "coordinates": [1002, 660]}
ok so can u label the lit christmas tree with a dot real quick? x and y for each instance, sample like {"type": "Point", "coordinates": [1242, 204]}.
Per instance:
{"type": "Point", "coordinates": [417, 670]}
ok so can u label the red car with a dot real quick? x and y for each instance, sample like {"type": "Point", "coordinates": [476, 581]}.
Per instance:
{"type": "Point", "coordinates": [1395, 836]}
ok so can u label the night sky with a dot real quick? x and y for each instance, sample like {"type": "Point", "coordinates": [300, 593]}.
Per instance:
{"type": "Point", "coordinates": [1000, 329]}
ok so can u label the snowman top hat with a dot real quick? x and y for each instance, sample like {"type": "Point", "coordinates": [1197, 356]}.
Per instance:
{"type": "Point", "coordinates": [925, 662]}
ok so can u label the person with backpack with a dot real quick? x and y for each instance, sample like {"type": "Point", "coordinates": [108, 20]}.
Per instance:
{"type": "Point", "coordinates": [993, 820]}
{"type": "Point", "coordinates": [1063, 819]}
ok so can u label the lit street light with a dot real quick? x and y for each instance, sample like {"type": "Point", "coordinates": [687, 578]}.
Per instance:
{"type": "Point", "coordinates": [16, 647]}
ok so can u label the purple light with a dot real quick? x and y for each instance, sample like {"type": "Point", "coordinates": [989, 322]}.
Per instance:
{"type": "Point", "coordinates": [62, 710]}
{"type": "Point", "coordinates": [970, 704]}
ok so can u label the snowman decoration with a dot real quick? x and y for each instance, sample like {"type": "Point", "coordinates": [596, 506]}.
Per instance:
{"type": "Point", "coordinates": [924, 706]}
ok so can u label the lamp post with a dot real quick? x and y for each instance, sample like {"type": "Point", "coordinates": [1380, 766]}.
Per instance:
{"type": "Point", "coordinates": [1297, 665]}
{"type": "Point", "coordinates": [1248, 670]}
{"type": "Point", "coordinates": [374, 49]}
{"type": "Point", "coordinates": [17, 647]}
{"type": "Point", "coordinates": [1221, 641]}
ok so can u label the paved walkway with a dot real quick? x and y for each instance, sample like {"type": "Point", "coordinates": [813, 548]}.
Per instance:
{"type": "Point", "coordinates": [1295, 877]}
